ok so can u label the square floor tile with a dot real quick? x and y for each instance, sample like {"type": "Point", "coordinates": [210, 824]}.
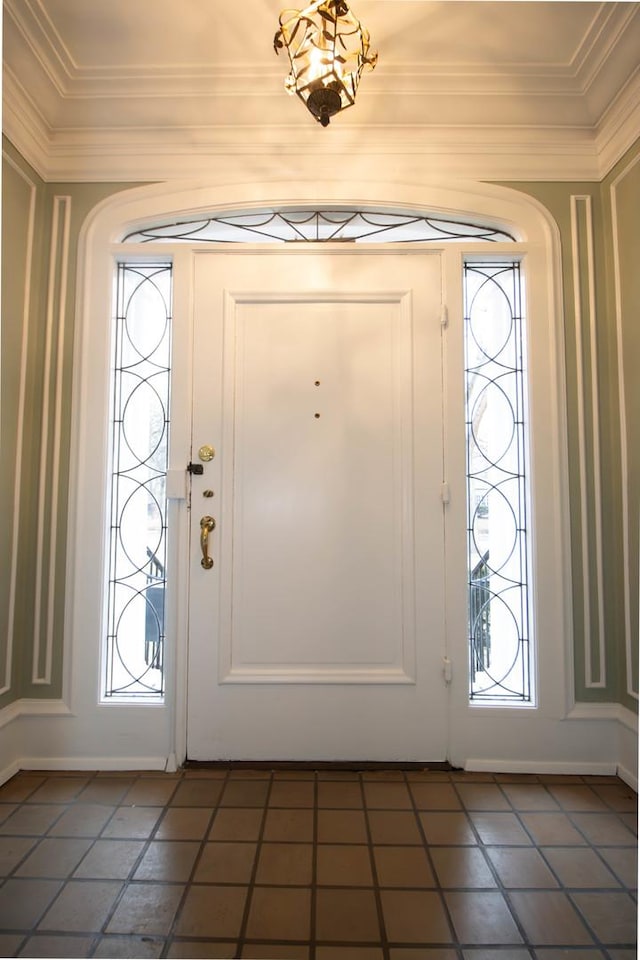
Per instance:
{"type": "Point", "coordinates": [574, 796]}
{"type": "Point", "coordinates": [522, 867]}
{"type": "Point", "coordinates": [289, 825]}
{"type": "Point", "coordinates": [226, 863]}
{"type": "Point", "coordinates": [578, 867]}
{"type": "Point", "coordinates": [211, 911]}
{"type": "Point", "coordinates": [132, 823]}
{"type": "Point", "coordinates": [22, 902]}
{"type": "Point", "coordinates": [611, 916]}
{"type": "Point", "coordinates": [58, 790]}
{"type": "Point", "coordinates": [552, 829]}
{"type": "Point", "coordinates": [341, 826]}
{"type": "Point", "coordinates": [403, 867]}
{"type": "Point", "coordinates": [275, 951]}
{"type": "Point", "coordinates": [387, 796]}
{"type": "Point", "coordinates": [349, 953]}
{"type": "Point", "coordinates": [19, 787]}
{"type": "Point", "coordinates": [146, 909]}
{"type": "Point", "coordinates": [83, 906]}
{"type": "Point", "coordinates": [618, 796]}
{"type": "Point", "coordinates": [482, 917]}
{"type": "Point", "coordinates": [343, 865]}
{"type": "Point", "coordinates": [82, 820]}
{"type": "Point", "coordinates": [513, 953]}
{"type": "Point", "coordinates": [54, 858]}
{"type": "Point", "coordinates": [32, 821]}
{"type": "Point", "coordinates": [285, 863]}
{"type": "Point", "coordinates": [482, 796]}
{"type": "Point", "coordinates": [339, 794]}
{"type": "Point", "coordinates": [624, 863]}
{"type": "Point", "coordinates": [462, 867]}
{"type": "Point", "coordinates": [48, 946]}
{"type": "Point", "coordinates": [168, 860]}
{"type": "Point", "coordinates": [126, 947]}
{"type": "Point", "coordinates": [414, 916]}
{"type": "Point", "coordinates": [605, 829]}
{"type": "Point", "coordinates": [347, 915]}
{"type": "Point", "coordinates": [292, 793]}
{"type": "Point", "coordinates": [570, 953]}
{"type": "Point", "coordinates": [500, 828]}
{"type": "Point", "coordinates": [549, 918]}
{"type": "Point", "coordinates": [423, 953]}
{"type": "Point", "coordinates": [12, 851]}
{"type": "Point", "coordinates": [201, 950]}
{"type": "Point", "coordinates": [394, 826]}
{"type": "Point", "coordinates": [237, 824]}
{"type": "Point", "coordinates": [528, 796]}
{"type": "Point", "coordinates": [110, 860]}
{"type": "Point", "coordinates": [109, 791]}
{"type": "Point", "coordinates": [435, 796]}
{"type": "Point", "coordinates": [245, 793]}
{"type": "Point", "coordinates": [183, 823]}
{"type": "Point", "coordinates": [447, 829]}
{"type": "Point", "coordinates": [278, 913]}
{"type": "Point", "coordinates": [150, 793]}
{"type": "Point", "coordinates": [197, 793]}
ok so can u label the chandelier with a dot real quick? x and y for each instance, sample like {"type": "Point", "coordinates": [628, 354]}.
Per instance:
{"type": "Point", "coordinates": [328, 49]}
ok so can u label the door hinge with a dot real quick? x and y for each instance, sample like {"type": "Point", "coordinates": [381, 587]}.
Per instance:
{"type": "Point", "coordinates": [446, 670]}
{"type": "Point", "coordinates": [444, 316]}
{"type": "Point", "coordinates": [445, 493]}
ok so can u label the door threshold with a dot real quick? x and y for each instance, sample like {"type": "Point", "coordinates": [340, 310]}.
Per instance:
{"type": "Point", "coordinates": [353, 765]}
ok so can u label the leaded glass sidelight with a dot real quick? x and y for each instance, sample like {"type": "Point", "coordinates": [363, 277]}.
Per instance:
{"type": "Point", "coordinates": [496, 430]}
{"type": "Point", "coordinates": [134, 649]}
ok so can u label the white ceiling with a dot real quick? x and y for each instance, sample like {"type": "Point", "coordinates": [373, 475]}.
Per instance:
{"type": "Point", "coordinates": [130, 89]}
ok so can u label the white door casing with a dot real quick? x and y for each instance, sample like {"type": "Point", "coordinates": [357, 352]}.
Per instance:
{"type": "Point", "coordinates": [94, 734]}
{"type": "Point", "coordinates": [319, 631]}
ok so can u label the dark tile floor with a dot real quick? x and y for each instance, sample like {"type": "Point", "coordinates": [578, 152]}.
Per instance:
{"type": "Point", "coordinates": [381, 865]}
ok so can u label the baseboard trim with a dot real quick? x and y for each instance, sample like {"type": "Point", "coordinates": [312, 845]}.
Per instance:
{"type": "Point", "coordinates": [605, 711]}
{"type": "Point", "coordinates": [33, 708]}
{"type": "Point", "coordinates": [629, 778]}
{"type": "Point", "coordinates": [93, 763]}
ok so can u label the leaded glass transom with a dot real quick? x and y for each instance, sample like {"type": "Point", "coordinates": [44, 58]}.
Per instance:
{"type": "Point", "coordinates": [134, 650]}
{"type": "Point", "coordinates": [499, 639]}
{"type": "Point", "coordinates": [319, 226]}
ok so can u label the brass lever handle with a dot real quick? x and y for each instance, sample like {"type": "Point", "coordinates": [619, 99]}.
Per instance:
{"type": "Point", "coordinates": [207, 524]}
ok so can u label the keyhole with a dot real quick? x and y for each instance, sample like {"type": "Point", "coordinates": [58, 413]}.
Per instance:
{"type": "Point", "coordinates": [317, 416]}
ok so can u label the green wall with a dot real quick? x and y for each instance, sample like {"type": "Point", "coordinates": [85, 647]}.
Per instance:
{"type": "Point", "coordinates": [615, 280]}
{"type": "Point", "coordinates": [609, 259]}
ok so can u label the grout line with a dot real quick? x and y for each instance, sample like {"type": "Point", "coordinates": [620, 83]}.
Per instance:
{"type": "Point", "coordinates": [384, 941]}
{"type": "Point", "coordinates": [242, 932]}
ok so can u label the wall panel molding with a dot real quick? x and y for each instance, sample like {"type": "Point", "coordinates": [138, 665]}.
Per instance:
{"type": "Point", "coordinates": [583, 263]}
{"type": "Point", "coordinates": [49, 481]}
{"type": "Point", "coordinates": [624, 453]}
{"type": "Point", "coordinates": [6, 677]}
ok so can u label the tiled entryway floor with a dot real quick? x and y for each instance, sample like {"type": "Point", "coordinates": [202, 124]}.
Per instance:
{"type": "Point", "coordinates": [318, 866]}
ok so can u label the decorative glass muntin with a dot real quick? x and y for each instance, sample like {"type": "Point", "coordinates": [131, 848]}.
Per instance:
{"type": "Point", "coordinates": [319, 226]}
{"type": "Point", "coordinates": [137, 540]}
{"type": "Point", "coordinates": [497, 496]}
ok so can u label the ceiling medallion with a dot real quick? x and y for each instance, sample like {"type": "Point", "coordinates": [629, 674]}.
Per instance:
{"type": "Point", "coordinates": [328, 49]}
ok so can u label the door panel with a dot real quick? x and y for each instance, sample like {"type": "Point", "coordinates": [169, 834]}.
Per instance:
{"type": "Point", "coordinates": [319, 631]}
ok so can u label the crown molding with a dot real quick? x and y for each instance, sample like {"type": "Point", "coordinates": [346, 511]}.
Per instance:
{"type": "Point", "coordinates": [620, 126]}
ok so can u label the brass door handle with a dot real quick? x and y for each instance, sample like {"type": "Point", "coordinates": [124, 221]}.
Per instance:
{"type": "Point", "coordinates": [207, 524]}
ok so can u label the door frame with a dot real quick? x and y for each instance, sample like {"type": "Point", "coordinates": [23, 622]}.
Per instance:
{"type": "Point", "coordinates": [156, 734]}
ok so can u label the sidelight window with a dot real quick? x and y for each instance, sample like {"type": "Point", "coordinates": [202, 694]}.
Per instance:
{"type": "Point", "coordinates": [497, 535]}
{"type": "Point", "coordinates": [137, 542]}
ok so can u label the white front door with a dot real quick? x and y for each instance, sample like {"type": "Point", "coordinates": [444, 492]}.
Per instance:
{"type": "Point", "coordinates": [318, 632]}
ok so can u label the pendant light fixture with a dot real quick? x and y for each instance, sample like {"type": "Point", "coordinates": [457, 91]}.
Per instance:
{"type": "Point", "coordinates": [328, 49]}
